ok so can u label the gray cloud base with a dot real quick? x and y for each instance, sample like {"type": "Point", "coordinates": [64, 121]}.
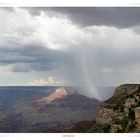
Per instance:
{"type": "Point", "coordinates": [120, 17]}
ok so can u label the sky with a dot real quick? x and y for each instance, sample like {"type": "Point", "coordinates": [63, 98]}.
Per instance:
{"type": "Point", "coordinates": [79, 46]}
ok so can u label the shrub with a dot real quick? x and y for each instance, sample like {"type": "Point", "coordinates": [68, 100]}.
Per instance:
{"type": "Point", "coordinates": [124, 122]}
{"type": "Point", "coordinates": [121, 109]}
{"type": "Point", "coordinates": [106, 129]}
{"type": "Point", "coordinates": [120, 130]}
{"type": "Point", "coordinates": [131, 114]}
{"type": "Point", "coordinates": [132, 126]}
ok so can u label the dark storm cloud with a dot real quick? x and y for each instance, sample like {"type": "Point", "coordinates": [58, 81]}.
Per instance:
{"type": "Point", "coordinates": [32, 57]}
{"type": "Point", "coordinates": [21, 45]}
{"type": "Point", "coordinates": [120, 17]}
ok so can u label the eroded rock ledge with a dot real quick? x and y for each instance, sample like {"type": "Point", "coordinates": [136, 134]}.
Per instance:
{"type": "Point", "coordinates": [118, 113]}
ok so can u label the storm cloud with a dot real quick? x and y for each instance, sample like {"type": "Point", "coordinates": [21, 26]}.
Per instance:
{"type": "Point", "coordinates": [86, 46]}
{"type": "Point", "coordinates": [120, 17]}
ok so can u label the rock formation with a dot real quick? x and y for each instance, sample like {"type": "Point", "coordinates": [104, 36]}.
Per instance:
{"type": "Point", "coordinates": [137, 116]}
{"type": "Point", "coordinates": [59, 94]}
{"type": "Point", "coordinates": [120, 112]}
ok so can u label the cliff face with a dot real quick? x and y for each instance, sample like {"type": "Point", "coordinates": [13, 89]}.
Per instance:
{"type": "Point", "coordinates": [117, 114]}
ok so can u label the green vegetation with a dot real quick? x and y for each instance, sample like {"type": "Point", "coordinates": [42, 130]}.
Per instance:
{"type": "Point", "coordinates": [120, 130]}
{"type": "Point", "coordinates": [133, 125]}
{"type": "Point", "coordinates": [131, 114]}
{"type": "Point", "coordinates": [107, 128]}
{"type": "Point", "coordinates": [136, 100]}
{"type": "Point", "coordinates": [124, 122]}
{"type": "Point", "coordinates": [138, 104]}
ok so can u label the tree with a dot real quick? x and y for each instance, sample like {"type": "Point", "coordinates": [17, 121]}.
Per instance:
{"type": "Point", "coordinates": [131, 114]}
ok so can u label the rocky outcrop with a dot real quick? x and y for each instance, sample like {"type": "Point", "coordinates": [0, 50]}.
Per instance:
{"type": "Point", "coordinates": [121, 92]}
{"type": "Point", "coordinates": [126, 89]}
{"type": "Point", "coordinates": [105, 116]}
{"type": "Point", "coordinates": [137, 115]}
{"type": "Point", "coordinates": [119, 112]}
{"type": "Point", "coordinates": [59, 94]}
